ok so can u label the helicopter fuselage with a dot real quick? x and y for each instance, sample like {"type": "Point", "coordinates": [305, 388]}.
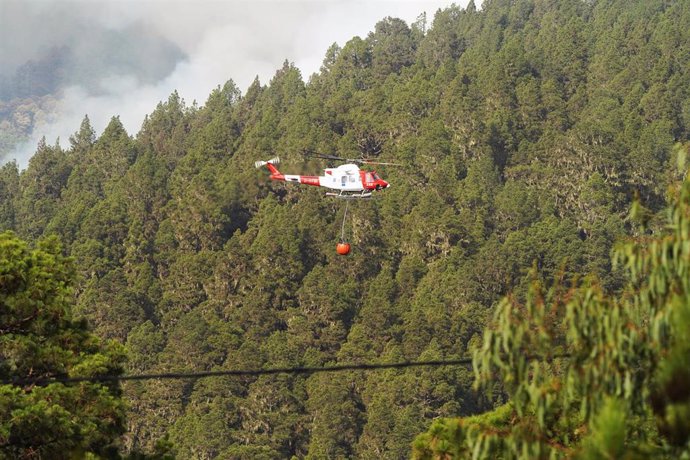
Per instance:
{"type": "Point", "coordinates": [347, 178]}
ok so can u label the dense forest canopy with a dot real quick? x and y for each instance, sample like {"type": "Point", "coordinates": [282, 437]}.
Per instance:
{"type": "Point", "coordinates": [590, 375]}
{"type": "Point", "coordinates": [525, 129]}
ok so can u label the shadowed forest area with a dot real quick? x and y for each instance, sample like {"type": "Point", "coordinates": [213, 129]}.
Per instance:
{"type": "Point", "coordinates": [527, 131]}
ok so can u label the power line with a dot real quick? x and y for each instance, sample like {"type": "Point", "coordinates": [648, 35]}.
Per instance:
{"type": "Point", "coordinates": [253, 372]}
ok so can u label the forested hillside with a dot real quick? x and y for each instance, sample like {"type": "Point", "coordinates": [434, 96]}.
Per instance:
{"type": "Point", "coordinates": [524, 129]}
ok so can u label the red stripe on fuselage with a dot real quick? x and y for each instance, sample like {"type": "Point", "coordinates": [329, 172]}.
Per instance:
{"type": "Point", "coordinates": [309, 180]}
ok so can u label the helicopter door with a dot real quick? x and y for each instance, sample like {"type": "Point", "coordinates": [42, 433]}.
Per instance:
{"type": "Point", "coordinates": [369, 179]}
{"type": "Point", "coordinates": [344, 181]}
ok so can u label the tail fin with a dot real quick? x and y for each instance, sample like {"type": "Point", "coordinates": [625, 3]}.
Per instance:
{"type": "Point", "coordinates": [275, 174]}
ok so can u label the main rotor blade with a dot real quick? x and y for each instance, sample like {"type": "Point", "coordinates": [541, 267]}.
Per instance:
{"type": "Point", "coordinates": [324, 156]}
{"type": "Point", "coordinates": [361, 161]}
{"type": "Point", "coordinates": [370, 162]}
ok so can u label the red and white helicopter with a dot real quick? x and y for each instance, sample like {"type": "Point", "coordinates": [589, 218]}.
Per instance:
{"type": "Point", "coordinates": [347, 180]}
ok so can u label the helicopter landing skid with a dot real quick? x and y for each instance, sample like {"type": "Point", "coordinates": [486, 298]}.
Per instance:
{"type": "Point", "coordinates": [349, 196]}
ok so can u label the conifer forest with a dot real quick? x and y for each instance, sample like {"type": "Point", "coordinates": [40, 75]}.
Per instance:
{"type": "Point", "coordinates": [537, 225]}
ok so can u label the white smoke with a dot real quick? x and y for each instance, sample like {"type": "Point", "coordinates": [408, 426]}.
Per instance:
{"type": "Point", "coordinates": [222, 40]}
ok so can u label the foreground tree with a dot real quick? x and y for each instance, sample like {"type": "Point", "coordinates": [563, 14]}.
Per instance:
{"type": "Point", "coordinates": [589, 374]}
{"type": "Point", "coordinates": [40, 340]}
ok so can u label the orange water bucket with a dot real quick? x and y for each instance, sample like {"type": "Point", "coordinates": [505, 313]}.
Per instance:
{"type": "Point", "coordinates": [343, 248]}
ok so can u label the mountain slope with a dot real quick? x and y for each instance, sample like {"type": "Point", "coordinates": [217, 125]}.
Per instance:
{"type": "Point", "coordinates": [524, 129]}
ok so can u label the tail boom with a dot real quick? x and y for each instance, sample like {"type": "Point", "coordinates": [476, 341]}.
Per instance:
{"type": "Point", "coordinates": [277, 175]}
{"type": "Point", "coordinates": [306, 180]}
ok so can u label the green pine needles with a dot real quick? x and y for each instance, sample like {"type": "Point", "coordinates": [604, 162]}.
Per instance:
{"type": "Point", "coordinates": [623, 388]}
{"type": "Point", "coordinates": [38, 339]}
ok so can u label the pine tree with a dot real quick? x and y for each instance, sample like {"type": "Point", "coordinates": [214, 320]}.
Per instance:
{"type": "Point", "coordinates": [40, 340]}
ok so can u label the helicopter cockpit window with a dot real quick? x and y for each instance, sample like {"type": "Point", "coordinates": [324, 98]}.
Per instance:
{"type": "Point", "coordinates": [369, 177]}
{"type": "Point", "coordinates": [376, 176]}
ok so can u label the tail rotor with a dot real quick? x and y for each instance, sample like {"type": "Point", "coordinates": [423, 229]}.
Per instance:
{"type": "Point", "coordinates": [273, 161]}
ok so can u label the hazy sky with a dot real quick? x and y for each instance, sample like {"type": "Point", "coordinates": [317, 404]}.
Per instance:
{"type": "Point", "coordinates": [219, 40]}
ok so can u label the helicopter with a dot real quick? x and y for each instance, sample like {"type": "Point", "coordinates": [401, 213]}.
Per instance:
{"type": "Point", "coordinates": [348, 181]}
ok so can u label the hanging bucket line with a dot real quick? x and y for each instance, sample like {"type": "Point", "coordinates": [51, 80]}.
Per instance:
{"type": "Point", "coordinates": [342, 228]}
